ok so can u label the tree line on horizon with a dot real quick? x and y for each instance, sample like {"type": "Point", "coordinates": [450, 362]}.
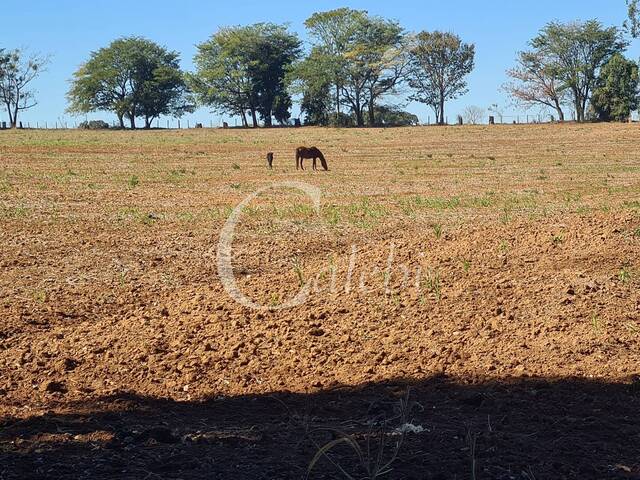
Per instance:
{"type": "Point", "coordinates": [355, 72]}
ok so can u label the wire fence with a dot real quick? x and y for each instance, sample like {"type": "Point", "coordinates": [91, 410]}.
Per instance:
{"type": "Point", "coordinates": [173, 124]}
{"type": "Point", "coordinates": [494, 119]}
{"type": "Point", "coordinates": [68, 125]}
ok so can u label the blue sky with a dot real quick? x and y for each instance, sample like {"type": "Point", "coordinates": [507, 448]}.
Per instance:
{"type": "Point", "coordinates": [69, 30]}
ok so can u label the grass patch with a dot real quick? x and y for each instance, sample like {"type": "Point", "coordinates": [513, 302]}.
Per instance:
{"type": "Point", "coordinates": [133, 181]}
{"type": "Point", "coordinates": [14, 212]}
{"type": "Point", "coordinates": [133, 214]}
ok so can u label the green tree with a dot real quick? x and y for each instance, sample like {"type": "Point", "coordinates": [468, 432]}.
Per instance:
{"type": "Point", "coordinates": [245, 69]}
{"type": "Point", "coordinates": [633, 22]}
{"type": "Point", "coordinates": [440, 64]}
{"type": "Point", "coordinates": [17, 71]}
{"type": "Point", "coordinates": [282, 108]}
{"type": "Point", "coordinates": [312, 79]}
{"type": "Point", "coordinates": [375, 65]}
{"type": "Point", "coordinates": [222, 78]}
{"type": "Point", "coordinates": [332, 34]}
{"type": "Point", "coordinates": [132, 77]}
{"type": "Point", "coordinates": [616, 92]}
{"type": "Point", "coordinates": [365, 58]}
{"type": "Point", "coordinates": [274, 51]}
{"type": "Point", "coordinates": [575, 53]}
{"type": "Point", "coordinates": [393, 116]}
{"type": "Point", "coordinates": [165, 92]}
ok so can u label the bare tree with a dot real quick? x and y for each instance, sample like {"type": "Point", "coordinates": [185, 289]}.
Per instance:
{"type": "Point", "coordinates": [17, 71]}
{"type": "Point", "coordinates": [473, 114]}
{"type": "Point", "coordinates": [535, 82]}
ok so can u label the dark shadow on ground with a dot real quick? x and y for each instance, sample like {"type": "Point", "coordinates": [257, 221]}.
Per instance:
{"type": "Point", "coordinates": [521, 429]}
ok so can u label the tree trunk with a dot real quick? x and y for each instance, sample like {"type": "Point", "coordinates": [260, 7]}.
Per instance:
{"type": "Point", "coordinates": [359, 117]}
{"type": "Point", "coordinates": [254, 118]}
{"type": "Point", "coordinates": [132, 120]}
{"type": "Point", "coordinates": [147, 123]}
{"type": "Point", "coordinates": [559, 110]}
{"type": "Point", "coordinates": [13, 119]}
{"type": "Point", "coordinates": [11, 122]}
{"type": "Point", "coordinates": [578, 104]}
{"type": "Point", "coordinates": [337, 102]}
{"type": "Point", "coordinates": [121, 121]}
{"type": "Point", "coordinates": [372, 113]}
{"type": "Point", "coordinates": [441, 111]}
{"type": "Point", "coordinates": [243, 116]}
{"type": "Point", "coordinates": [267, 120]}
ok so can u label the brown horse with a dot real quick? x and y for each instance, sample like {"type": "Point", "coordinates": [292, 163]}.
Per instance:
{"type": "Point", "coordinates": [270, 160]}
{"type": "Point", "coordinates": [314, 153]}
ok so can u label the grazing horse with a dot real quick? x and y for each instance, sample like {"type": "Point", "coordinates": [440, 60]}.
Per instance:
{"type": "Point", "coordinates": [270, 160]}
{"type": "Point", "coordinates": [314, 153]}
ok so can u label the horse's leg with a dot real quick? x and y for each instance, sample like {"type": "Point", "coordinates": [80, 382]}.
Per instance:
{"type": "Point", "coordinates": [301, 163]}
{"type": "Point", "coordinates": [314, 164]}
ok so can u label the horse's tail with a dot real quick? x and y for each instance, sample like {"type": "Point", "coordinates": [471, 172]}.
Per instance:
{"type": "Point", "coordinates": [323, 162]}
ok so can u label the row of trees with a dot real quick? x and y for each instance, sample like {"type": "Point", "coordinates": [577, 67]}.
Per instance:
{"type": "Point", "coordinates": [356, 60]}
{"type": "Point", "coordinates": [357, 65]}
{"type": "Point", "coordinates": [580, 64]}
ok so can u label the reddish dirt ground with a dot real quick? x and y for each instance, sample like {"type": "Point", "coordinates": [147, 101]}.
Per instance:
{"type": "Point", "coordinates": [513, 342]}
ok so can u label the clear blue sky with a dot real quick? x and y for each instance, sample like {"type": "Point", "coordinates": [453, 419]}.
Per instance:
{"type": "Point", "coordinates": [69, 30]}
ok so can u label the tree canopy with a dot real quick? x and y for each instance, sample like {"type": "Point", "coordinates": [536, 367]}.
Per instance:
{"type": "Point", "coordinates": [574, 52]}
{"type": "Point", "coordinates": [312, 78]}
{"type": "Point", "coordinates": [363, 58]}
{"type": "Point", "coordinates": [440, 64]}
{"type": "Point", "coordinates": [633, 22]}
{"type": "Point", "coordinates": [244, 69]}
{"type": "Point", "coordinates": [616, 92]}
{"type": "Point", "coordinates": [132, 77]}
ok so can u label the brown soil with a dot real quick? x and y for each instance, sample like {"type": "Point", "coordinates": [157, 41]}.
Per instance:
{"type": "Point", "coordinates": [517, 344]}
